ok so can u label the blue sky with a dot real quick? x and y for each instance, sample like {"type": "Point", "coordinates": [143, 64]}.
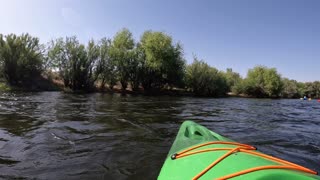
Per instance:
{"type": "Point", "coordinates": [237, 34]}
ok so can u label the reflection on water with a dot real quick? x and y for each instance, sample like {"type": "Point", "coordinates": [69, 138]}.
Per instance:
{"type": "Point", "coordinates": [53, 135]}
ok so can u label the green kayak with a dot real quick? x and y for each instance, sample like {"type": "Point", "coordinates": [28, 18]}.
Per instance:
{"type": "Point", "coordinates": [198, 153]}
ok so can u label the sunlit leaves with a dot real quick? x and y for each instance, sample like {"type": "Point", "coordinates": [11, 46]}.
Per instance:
{"type": "Point", "coordinates": [205, 80]}
{"type": "Point", "coordinates": [75, 61]}
{"type": "Point", "coordinates": [162, 61]}
{"type": "Point", "coordinates": [262, 82]}
{"type": "Point", "coordinates": [122, 54]}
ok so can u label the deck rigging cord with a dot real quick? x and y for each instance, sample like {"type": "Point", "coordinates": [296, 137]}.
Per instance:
{"type": "Point", "coordinates": [244, 148]}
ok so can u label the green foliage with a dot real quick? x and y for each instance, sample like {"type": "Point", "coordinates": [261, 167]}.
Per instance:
{"type": "Point", "coordinates": [290, 88]}
{"type": "Point", "coordinates": [316, 89]}
{"type": "Point", "coordinates": [266, 82]}
{"type": "Point", "coordinates": [312, 89]}
{"type": "Point", "coordinates": [232, 79]}
{"type": "Point", "coordinates": [162, 62]}
{"type": "Point", "coordinates": [1, 70]}
{"type": "Point", "coordinates": [106, 69]}
{"type": "Point", "coordinates": [4, 87]}
{"type": "Point", "coordinates": [135, 69]}
{"type": "Point", "coordinates": [239, 87]}
{"type": "Point", "coordinates": [21, 58]}
{"type": "Point", "coordinates": [76, 63]}
{"type": "Point", "coordinates": [301, 89]}
{"type": "Point", "coordinates": [205, 80]}
{"type": "Point", "coordinates": [262, 82]}
{"type": "Point", "coordinates": [123, 55]}
{"type": "Point", "coordinates": [155, 62]}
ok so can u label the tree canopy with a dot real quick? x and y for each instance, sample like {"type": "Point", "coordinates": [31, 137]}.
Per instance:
{"type": "Point", "coordinates": [205, 80]}
{"type": "Point", "coordinates": [122, 53]}
{"type": "Point", "coordinates": [154, 62]}
{"type": "Point", "coordinates": [262, 82]}
{"type": "Point", "coordinates": [75, 61]}
{"type": "Point", "coordinates": [162, 61]}
{"type": "Point", "coordinates": [21, 58]}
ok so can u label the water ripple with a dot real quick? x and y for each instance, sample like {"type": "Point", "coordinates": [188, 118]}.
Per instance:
{"type": "Point", "coordinates": [53, 135]}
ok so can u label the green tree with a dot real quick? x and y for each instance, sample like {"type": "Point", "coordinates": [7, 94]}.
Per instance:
{"type": "Point", "coordinates": [1, 70]}
{"type": "Point", "coordinates": [232, 78]}
{"type": "Point", "coordinates": [290, 88]}
{"type": "Point", "coordinates": [301, 88]}
{"type": "Point", "coordinates": [316, 86]}
{"type": "Point", "coordinates": [312, 89]}
{"type": "Point", "coordinates": [162, 61]}
{"type": "Point", "coordinates": [106, 69]}
{"type": "Point", "coordinates": [205, 80]}
{"type": "Point", "coordinates": [75, 62]}
{"type": "Point", "coordinates": [262, 82]}
{"type": "Point", "coordinates": [239, 87]}
{"type": "Point", "coordinates": [21, 58]}
{"type": "Point", "coordinates": [123, 55]}
{"type": "Point", "coordinates": [135, 69]}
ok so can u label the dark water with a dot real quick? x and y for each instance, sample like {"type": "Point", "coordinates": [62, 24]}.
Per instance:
{"type": "Point", "coordinates": [52, 135]}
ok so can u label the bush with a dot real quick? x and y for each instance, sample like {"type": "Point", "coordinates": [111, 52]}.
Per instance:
{"type": "Point", "coordinates": [205, 80]}
{"type": "Point", "coordinates": [161, 61]}
{"type": "Point", "coordinates": [75, 62]}
{"type": "Point", "coordinates": [290, 89]}
{"type": "Point", "coordinates": [122, 53]}
{"type": "Point", "coordinates": [21, 58]}
{"type": "Point", "coordinates": [232, 79]}
{"type": "Point", "coordinates": [262, 82]}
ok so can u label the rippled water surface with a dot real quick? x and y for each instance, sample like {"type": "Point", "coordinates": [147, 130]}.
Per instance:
{"type": "Point", "coordinates": [53, 135]}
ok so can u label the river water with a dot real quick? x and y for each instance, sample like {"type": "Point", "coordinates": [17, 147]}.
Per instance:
{"type": "Point", "coordinates": [53, 135]}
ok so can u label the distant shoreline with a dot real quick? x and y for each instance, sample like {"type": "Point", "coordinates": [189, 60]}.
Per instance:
{"type": "Point", "coordinates": [153, 65]}
{"type": "Point", "coordinates": [177, 92]}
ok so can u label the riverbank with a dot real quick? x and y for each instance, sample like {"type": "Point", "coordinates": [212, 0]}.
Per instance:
{"type": "Point", "coordinates": [55, 84]}
{"type": "Point", "coordinates": [58, 86]}
{"type": "Point", "coordinates": [52, 82]}
{"type": "Point", "coordinates": [231, 94]}
{"type": "Point", "coordinates": [41, 83]}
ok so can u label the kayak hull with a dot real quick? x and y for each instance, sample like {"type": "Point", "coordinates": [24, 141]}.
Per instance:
{"type": "Point", "coordinates": [191, 134]}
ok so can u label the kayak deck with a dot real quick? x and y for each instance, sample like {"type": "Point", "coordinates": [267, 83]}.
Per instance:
{"type": "Point", "coordinates": [199, 153]}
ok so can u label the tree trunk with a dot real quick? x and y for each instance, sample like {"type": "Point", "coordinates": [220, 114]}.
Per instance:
{"type": "Point", "coordinates": [124, 85]}
{"type": "Point", "coordinates": [103, 83]}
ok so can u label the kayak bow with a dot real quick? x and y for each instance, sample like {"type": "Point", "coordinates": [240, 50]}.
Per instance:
{"type": "Point", "coordinates": [198, 153]}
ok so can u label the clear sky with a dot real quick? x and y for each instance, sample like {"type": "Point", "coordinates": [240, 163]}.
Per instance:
{"type": "Point", "coordinates": [237, 34]}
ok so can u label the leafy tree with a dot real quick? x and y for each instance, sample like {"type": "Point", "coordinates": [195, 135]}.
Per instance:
{"type": "Point", "coordinates": [76, 63]}
{"type": "Point", "coordinates": [135, 69]}
{"type": "Point", "coordinates": [290, 88]}
{"type": "Point", "coordinates": [239, 87]}
{"type": "Point", "coordinates": [312, 89]}
{"type": "Point", "coordinates": [316, 92]}
{"type": "Point", "coordinates": [162, 61]}
{"type": "Point", "coordinates": [301, 88]}
{"type": "Point", "coordinates": [106, 70]}
{"type": "Point", "coordinates": [1, 70]}
{"type": "Point", "coordinates": [262, 82]}
{"type": "Point", "coordinates": [155, 62]}
{"type": "Point", "coordinates": [205, 80]}
{"type": "Point", "coordinates": [232, 78]}
{"type": "Point", "coordinates": [21, 58]}
{"type": "Point", "coordinates": [273, 83]}
{"type": "Point", "coordinates": [122, 53]}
